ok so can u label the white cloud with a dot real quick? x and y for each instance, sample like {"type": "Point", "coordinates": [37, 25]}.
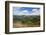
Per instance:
{"type": "Point", "coordinates": [35, 12]}
{"type": "Point", "coordinates": [26, 12]}
{"type": "Point", "coordinates": [34, 9]}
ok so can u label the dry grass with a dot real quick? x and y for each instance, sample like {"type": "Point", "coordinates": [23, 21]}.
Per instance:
{"type": "Point", "coordinates": [20, 25]}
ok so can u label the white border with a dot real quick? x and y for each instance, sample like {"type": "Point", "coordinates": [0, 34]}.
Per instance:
{"type": "Point", "coordinates": [11, 29]}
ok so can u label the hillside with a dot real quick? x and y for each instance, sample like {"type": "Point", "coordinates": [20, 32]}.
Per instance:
{"type": "Point", "coordinates": [29, 21]}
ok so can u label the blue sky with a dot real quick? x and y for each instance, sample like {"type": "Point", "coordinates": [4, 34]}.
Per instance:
{"type": "Point", "coordinates": [26, 11]}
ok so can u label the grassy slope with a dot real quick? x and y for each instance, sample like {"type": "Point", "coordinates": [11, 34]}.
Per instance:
{"type": "Point", "coordinates": [26, 21]}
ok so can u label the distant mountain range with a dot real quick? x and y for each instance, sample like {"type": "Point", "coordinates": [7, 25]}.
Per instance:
{"type": "Point", "coordinates": [25, 17]}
